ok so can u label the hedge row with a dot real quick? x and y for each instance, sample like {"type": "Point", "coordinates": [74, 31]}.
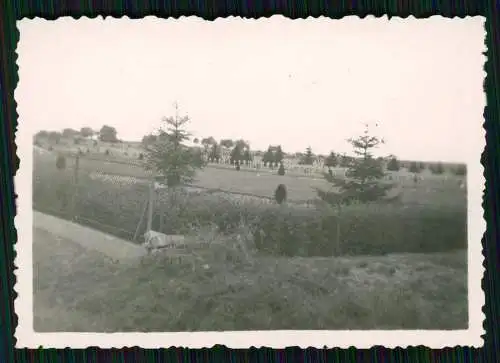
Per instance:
{"type": "Point", "coordinates": [285, 230]}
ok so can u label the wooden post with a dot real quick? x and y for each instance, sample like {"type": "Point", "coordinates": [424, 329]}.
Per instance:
{"type": "Point", "coordinates": [75, 191]}
{"type": "Point", "coordinates": [136, 234]}
{"type": "Point", "coordinates": [161, 214]}
{"type": "Point", "coordinates": [150, 206]}
{"type": "Point", "coordinates": [338, 252]}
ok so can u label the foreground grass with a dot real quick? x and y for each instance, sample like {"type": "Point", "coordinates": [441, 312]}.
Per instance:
{"type": "Point", "coordinates": [411, 291]}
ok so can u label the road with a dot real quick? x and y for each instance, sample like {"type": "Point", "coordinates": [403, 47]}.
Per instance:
{"type": "Point", "coordinates": [113, 247]}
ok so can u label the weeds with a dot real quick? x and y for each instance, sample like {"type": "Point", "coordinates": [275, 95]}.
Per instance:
{"type": "Point", "coordinates": [385, 292]}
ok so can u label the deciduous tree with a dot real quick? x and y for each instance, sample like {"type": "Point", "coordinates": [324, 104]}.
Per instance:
{"type": "Point", "coordinates": [331, 160]}
{"type": "Point", "coordinates": [86, 132]}
{"type": "Point", "coordinates": [268, 157]}
{"type": "Point", "coordinates": [227, 143]}
{"type": "Point", "coordinates": [414, 167]}
{"type": "Point", "coordinates": [54, 137]}
{"type": "Point", "coordinates": [108, 134]}
{"type": "Point", "coordinates": [279, 155]}
{"type": "Point", "coordinates": [308, 157]}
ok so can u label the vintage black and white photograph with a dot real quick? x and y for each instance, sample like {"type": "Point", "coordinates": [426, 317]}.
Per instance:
{"type": "Point", "coordinates": [250, 182]}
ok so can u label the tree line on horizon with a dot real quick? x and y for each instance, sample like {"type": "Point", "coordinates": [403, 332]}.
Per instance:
{"type": "Point", "coordinates": [241, 154]}
{"type": "Point", "coordinates": [105, 134]}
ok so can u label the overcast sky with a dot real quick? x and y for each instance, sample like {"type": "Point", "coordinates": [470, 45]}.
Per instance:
{"type": "Point", "coordinates": [273, 81]}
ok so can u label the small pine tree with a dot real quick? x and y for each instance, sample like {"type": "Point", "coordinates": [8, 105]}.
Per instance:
{"type": "Point", "coordinates": [281, 170]}
{"type": "Point", "coordinates": [173, 161]}
{"type": "Point", "coordinates": [393, 165]}
{"type": "Point", "coordinates": [141, 156]}
{"type": "Point", "coordinates": [60, 162]}
{"type": "Point", "coordinates": [280, 194]}
{"type": "Point", "coordinates": [107, 152]}
{"type": "Point", "coordinates": [364, 175]}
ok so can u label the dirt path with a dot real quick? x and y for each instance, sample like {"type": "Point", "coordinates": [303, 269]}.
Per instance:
{"type": "Point", "coordinates": [111, 246]}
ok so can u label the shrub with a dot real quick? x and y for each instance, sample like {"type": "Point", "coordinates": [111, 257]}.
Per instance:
{"type": "Point", "coordinates": [280, 194]}
{"type": "Point", "coordinates": [281, 170]}
{"type": "Point", "coordinates": [107, 152]}
{"type": "Point", "coordinates": [60, 162]}
{"type": "Point", "coordinates": [393, 165]}
{"type": "Point", "coordinates": [460, 170]}
{"type": "Point", "coordinates": [141, 156]}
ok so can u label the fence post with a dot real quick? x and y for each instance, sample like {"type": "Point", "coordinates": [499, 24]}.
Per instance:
{"type": "Point", "coordinates": [75, 190]}
{"type": "Point", "coordinates": [339, 213]}
{"type": "Point", "coordinates": [143, 214]}
{"type": "Point", "coordinates": [150, 205]}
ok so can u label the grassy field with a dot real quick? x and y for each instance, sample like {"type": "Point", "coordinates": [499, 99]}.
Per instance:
{"type": "Point", "coordinates": [398, 291]}
{"type": "Point", "coordinates": [438, 190]}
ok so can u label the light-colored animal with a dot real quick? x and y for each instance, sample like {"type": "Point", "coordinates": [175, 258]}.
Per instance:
{"type": "Point", "coordinates": [155, 241]}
